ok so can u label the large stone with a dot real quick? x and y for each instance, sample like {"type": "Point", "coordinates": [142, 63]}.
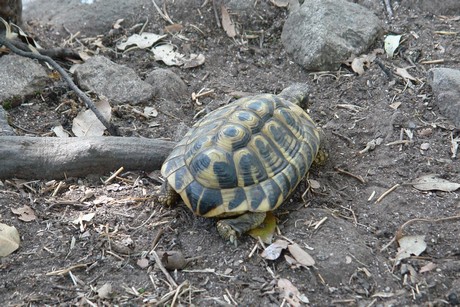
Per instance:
{"type": "Point", "coordinates": [120, 84]}
{"type": "Point", "coordinates": [20, 76]}
{"type": "Point", "coordinates": [445, 83]}
{"type": "Point", "coordinates": [167, 85]}
{"type": "Point", "coordinates": [321, 34]}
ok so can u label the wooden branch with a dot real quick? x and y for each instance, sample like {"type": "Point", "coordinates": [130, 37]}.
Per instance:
{"type": "Point", "coordinates": [55, 158]}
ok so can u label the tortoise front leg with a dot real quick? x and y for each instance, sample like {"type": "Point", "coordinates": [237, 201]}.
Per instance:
{"type": "Point", "coordinates": [231, 228]}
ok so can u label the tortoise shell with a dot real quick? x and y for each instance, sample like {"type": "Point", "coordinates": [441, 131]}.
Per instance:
{"type": "Point", "coordinates": [246, 156]}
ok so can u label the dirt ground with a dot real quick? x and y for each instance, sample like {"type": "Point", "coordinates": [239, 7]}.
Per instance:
{"type": "Point", "coordinates": [355, 259]}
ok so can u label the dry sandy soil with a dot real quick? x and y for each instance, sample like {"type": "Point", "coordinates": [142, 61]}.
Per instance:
{"type": "Point", "coordinates": [355, 259]}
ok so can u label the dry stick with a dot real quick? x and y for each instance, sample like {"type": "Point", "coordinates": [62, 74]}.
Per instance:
{"type": "Point", "coordinates": [216, 14]}
{"type": "Point", "coordinates": [110, 128]}
{"type": "Point", "coordinates": [162, 268]}
{"type": "Point", "coordinates": [162, 14]}
{"type": "Point", "coordinates": [357, 177]}
{"type": "Point", "coordinates": [385, 70]}
{"type": "Point", "coordinates": [389, 9]}
{"type": "Point", "coordinates": [387, 192]}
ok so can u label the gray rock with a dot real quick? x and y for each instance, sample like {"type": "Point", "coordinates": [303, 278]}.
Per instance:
{"type": "Point", "coordinates": [321, 34]}
{"type": "Point", "coordinates": [445, 83]}
{"type": "Point", "coordinates": [5, 128]}
{"type": "Point", "coordinates": [167, 85]}
{"type": "Point", "coordinates": [89, 19]}
{"type": "Point", "coordinates": [120, 84]}
{"type": "Point", "coordinates": [20, 77]}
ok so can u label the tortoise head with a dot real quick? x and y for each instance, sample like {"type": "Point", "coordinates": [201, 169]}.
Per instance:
{"type": "Point", "coordinates": [296, 93]}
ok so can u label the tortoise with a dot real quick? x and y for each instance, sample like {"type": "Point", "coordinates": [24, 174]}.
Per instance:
{"type": "Point", "coordinates": [243, 159]}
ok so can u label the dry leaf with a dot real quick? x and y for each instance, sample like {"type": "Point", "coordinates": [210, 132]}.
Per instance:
{"type": "Point", "coordinates": [403, 73]}
{"type": "Point", "coordinates": [194, 60]}
{"type": "Point", "coordinates": [300, 255]}
{"type": "Point", "coordinates": [86, 122]}
{"type": "Point", "coordinates": [430, 266]}
{"type": "Point", "coordinates": [273, 251]}
{"type": "Point", "coordinates": [142, 41]}
{"type": "Point", "coordinates": [227, 22]}
{"type": "Point", "coordinates": [432, 182]}
{"type": "Point", "coordinates": [177, 27]}
{"type": "Point", "coordinates": [289, 292]}
{"type": "Point", "coordinates": [266, 230]}
{"type": "Point", "coordinates": [84, 218]}
{"type": "Point", "coordinates": [167, 54]}
{"type": "Point", "coordinates": [25, 213]}
{"type": "Point", "coordinates": [358, 66]}
{"type": "Point", "coordinates": [150, 112]}
{"type": "Point", "coordinates": [314, 184]}
{"type": "Point", "coordinates": [292, 262]}
{"type": "Point", "coordinates": [9, 239]}
{"type": "Point", "coordinates": [391, 44]}
{"type": "Point", "coordinates": [105, 291]}
{"type": "Point", "coordinates": [424, 146]}
{"type": "Point", "coordinates": [143, 263]}
{"type": "Point", "coordinates": [60, 132]}
{"type": "Point", "coordinates": [410, 245]}
{"type": "Point", "coordinates": [395, 105]}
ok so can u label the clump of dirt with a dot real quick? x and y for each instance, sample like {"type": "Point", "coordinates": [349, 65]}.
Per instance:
{"type": "Point", "coordinates": [66, 256]}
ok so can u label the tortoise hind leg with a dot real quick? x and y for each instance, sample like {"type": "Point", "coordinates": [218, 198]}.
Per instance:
{"type": "Point", "coordinates": [168, 196]}
{"type": "Point", "coordinates": [231, 228]}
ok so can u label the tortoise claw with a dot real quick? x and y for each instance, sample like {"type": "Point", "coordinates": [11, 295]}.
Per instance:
{"type": "Point", "coordinates": [227, 232]}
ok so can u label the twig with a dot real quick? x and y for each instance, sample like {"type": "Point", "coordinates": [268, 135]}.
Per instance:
{"type": "Point", "coordinates": [114, 175]}
{"type": "Point", "coordinates": [385, 70]}
{"type": "Point", "coordinates": [162, 268]}
{"type": "Point", "coordinates": [387, 192]}
{"type": "Point", "coordinates": [388, 8]}
{"type": "Point", "coordinates": [216, 14]}
{"type": "Point", "coordinates": [440, 61]}
{"type": "Point", "coordinates": [162, 14]}
{"type": "Point", "coordinates": [357, 177]}
{"type": "Point", "coordinates": [177, 292]}
{"type": "Point", "coordinates": [110, 128]}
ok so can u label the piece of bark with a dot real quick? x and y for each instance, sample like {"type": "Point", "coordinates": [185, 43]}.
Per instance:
{"type": "Point", "coordinates": [55, 158]}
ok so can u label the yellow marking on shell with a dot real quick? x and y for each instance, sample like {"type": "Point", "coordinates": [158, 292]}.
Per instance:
{"type": "Point", "coordinates": [271, 161]}
{"type": "Point", "coordinates": [255, 170]}
{"type": "Point", "coordinates": [251, 121]}
{"type": "Point", "coordinates": [184, 178]}
{"type": "Point", "coordinates": [206, 176]}
{"type": "Point", "coordinates": [286, 138]}
{"type": "Point", "coordinates": [265, 106]}
{"type": "Point", "coordinates": [231, 136]}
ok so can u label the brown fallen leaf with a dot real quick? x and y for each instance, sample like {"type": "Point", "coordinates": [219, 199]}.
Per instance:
{"type": "Point", "coordinates": [289, 292]}
{"type": "Point", "coordinates": [25, 213]}
{"type": "Point", "coordinates": [227, 22]}
{"type": "Point", "coordinates": [300, 255]}
{"type": "Point", "coordinates": [430, 266]}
